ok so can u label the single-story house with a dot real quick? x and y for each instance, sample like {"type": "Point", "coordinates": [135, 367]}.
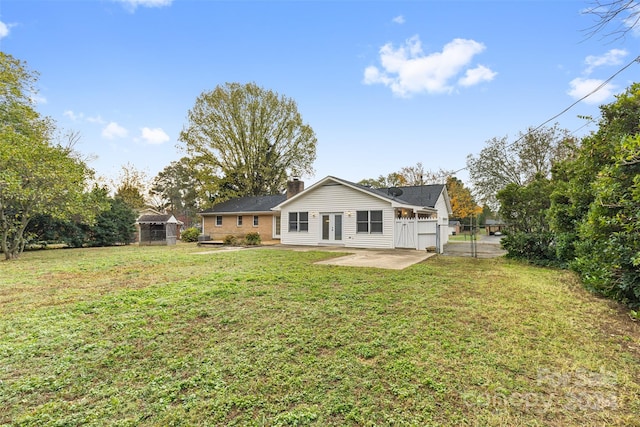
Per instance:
{"type": "Point", "coordinates": [243, 215]}
{"type": "Point", "coordinates": [334, 211]}
{"type": "Point", "coordinates": [158, 229]}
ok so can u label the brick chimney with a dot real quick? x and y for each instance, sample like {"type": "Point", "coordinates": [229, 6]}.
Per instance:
{"type": "Point", "coordinates": [294, 187]}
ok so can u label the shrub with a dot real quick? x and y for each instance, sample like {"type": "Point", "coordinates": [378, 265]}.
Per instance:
{"type": "Point", "coordinates": [537, 248]}
{"type": "Point", "coordinates": [230, 240]}
{"type": "Point", "coordinates": [253, 238]}
{"type": "Point", "coordinates": [190, 235]}
{"type": "Point", "coordinates": [565, 246]}
{"type": "Point", "coordinates": [607, 267]}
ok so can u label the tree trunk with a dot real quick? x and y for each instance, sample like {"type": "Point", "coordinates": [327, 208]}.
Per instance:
{"type": "Point", "coordinates": [12, 244]}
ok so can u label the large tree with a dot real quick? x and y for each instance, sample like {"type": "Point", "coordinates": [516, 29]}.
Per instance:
{"type": "Point", "coordinates": [131, 186]}
{"type": "Point", "coordinates": [394, 179]}
{"type": "Point", "coordinates": [177, 187]}
{"type": "Point", "coordinates": [408, 176]}
{"type": "Point", "coordinates": [462, 203]}
{"type": "Point", "coordinates": [530, 156]}
{"type": "Point", "coordinates": [245, 140]}
{"type": "Point", "coordinates": [37, 175]}
{"type": "Point", "coordinates": [524, 207]}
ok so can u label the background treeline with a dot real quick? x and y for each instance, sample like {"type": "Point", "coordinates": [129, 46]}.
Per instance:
{"type": "Point", "coordinates": [586, 214]}
{"type": "Point", "coordinates": [113, 225]}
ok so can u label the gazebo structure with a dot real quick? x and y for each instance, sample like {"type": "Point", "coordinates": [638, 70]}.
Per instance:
{"type": "Point", "coordinates": [162, 229]}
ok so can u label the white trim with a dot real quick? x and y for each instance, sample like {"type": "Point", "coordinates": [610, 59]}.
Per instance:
{"type": "Point", "coordinates": [275, 230]}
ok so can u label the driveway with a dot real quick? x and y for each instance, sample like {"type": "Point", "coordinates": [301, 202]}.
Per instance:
{"type": "Point", "coordinates": [486, 247]}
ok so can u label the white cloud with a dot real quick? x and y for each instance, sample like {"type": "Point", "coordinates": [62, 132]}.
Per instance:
{"type": "Point", "coordinates": [81, 117]}
{"type": "Point", "coordinates": [73, 116]}
{"type": "Point", "coordinates": [38, 99]}
{"type": "Point", "coordinates": [407, 70]}
{"type": "Point", "coordinates": [373, 75]}
{"type": "Point", "coordinates": [4, 30]}
{"type": "Point", "coordinates": [477, 75]}
{"type": "Point", "coordinates": [613, 57]}
{"type": "Point", "coordinates": [580, 87]}
{"type": "Point", "coordinates": [96, 119]}
{"type": "Point", "coordinates": [398, 20]}
{"type": "Point", "coordinates": [114, 130]}
{"type": "Point", "coordinates": [154, 136]}
{"type": "Point", "coordinates": [583, 86]}
{"type": "Point", "coordinates": [133, 4]}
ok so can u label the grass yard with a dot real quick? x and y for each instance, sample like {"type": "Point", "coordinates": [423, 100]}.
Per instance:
{"type": "Point", "coordinates": [146, 336]}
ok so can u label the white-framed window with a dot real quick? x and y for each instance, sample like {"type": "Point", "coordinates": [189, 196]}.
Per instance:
{"type": "Point", "coordinates": [369, 221]}
{"type": "Point", "coordinates": [239, 221]}
{"type": "Point", "coordinates": [218, 220]}
{"type": "Point", "coordinates": [256, 220]}
{"type": "Point", "coordinates": [298, 221]}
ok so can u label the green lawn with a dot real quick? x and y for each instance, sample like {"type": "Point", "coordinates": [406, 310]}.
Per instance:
{"type": "Point", "coordinates": [165, 336]}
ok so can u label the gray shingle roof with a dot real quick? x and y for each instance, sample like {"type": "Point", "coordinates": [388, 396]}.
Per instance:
{"type": "Point", "coordinates": [154, 219]}
{"type": "Point", "coordinates": [247, 204]}
{"type": "Point", "coordinates": [417, 195]}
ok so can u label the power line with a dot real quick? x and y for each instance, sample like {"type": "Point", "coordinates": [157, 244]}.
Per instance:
{"type": "Point", "coordinates": [600, 86]}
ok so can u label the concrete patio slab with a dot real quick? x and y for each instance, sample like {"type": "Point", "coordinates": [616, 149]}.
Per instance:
{"type": "Point", "coordinates": [392, 259]}
{"type": "Point", "coordinates": [397, 259]}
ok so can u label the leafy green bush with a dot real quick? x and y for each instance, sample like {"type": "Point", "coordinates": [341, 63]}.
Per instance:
{"type": "Point", "coordinates": [230, 240]}
{"type": "Point", "coordinates": [565, 246]}
{"type": "Point", "coordinates": [537, 248]}
{"type": "Point", "coordinates": [190, 235]}
{"type": "Point", "coordinates": [597, 200]}
{"type": "Point", "coordinates": [253, 238]}
{"type": "Point", "coordinates": [607, 266]}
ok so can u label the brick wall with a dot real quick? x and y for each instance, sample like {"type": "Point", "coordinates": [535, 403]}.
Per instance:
{"type": "Point", "coordinates": [229, 226]}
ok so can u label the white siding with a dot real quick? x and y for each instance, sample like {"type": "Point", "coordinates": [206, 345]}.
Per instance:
{"type": "Point", "coordinates": [443, 220]}
{"type": "Point", "coordinates": [338, 198]}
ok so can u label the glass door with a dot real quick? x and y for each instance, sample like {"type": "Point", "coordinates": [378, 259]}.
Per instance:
{"type": "Point", "coordinates": [332, 227]}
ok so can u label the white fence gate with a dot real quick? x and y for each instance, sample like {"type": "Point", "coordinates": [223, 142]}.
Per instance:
{"type": "Point", "coordinates": [415, 233]}
{"type": "Point", "coordinates": [405, 233]}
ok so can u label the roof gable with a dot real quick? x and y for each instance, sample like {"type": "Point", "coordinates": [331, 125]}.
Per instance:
{"type": "Point", "coordinates": [247, 204]}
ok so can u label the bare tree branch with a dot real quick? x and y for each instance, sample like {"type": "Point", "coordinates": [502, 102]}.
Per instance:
{"type": "Point", "coordinates": [624, 15]}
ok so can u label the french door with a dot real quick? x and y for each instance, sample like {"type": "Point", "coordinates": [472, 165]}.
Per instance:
{"type": "Point", "coordinates": [332, 228]}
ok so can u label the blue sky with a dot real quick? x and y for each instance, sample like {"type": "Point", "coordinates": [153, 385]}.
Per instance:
{"type": "Point", "coordinates": [383, 84]}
